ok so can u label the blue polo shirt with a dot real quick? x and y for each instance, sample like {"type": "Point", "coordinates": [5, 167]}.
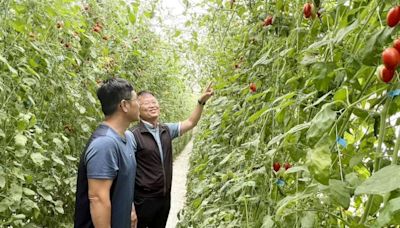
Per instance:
{"type": "Point", "coordinates": [107, 156]}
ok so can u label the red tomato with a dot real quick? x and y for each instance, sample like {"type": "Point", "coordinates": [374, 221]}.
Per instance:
{"type": "Point", "coordinates": [98, 24]}
{"type": "Point", "coordinates": [287, 166]}
{"type": "Point", "coordinates": [393, 16]}
{"type": "Point", "coordinates": [253, 87]}
{"type": "Point", "coordinates": [307, 10]}
{"type": "Point", "coordinates": [386, 75]}
{"type": "Point", "coordinates": [96, 29]}
{"type": "Point", "coordinates": [396, 44]}
{"type": "Point", "coordinates": [391, 58]}
{"type": "Point", "coordinates": [267, 21]}
{"type": "Point", "coordinates": [277, 166]}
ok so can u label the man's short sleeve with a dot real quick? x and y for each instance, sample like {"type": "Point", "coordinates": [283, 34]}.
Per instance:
{"type": "Point", "coordinates": [174, 129]}
{"type": "Point", "coordinates": [101, 159]}
{"type": "Point", "coordinates": [132, 140]}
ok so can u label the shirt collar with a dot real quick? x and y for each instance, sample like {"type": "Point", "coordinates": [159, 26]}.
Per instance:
{"type": "Point", "coordinates": [114, 133]}
{"type": "Point", "coordinates": [149, 125]}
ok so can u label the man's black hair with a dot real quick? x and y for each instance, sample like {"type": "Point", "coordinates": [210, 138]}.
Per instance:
{"type": "Point", "coordinates": [111, 92]}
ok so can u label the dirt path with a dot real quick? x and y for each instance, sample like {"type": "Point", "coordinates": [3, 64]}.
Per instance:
{"type": "Point", "coordinates": [178, 191]}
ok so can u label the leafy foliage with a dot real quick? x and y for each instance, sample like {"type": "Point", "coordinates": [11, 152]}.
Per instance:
{"type": "Point", "coordinates": [317, 106]}
{"type": "Point", "coordinates": [53, 56]}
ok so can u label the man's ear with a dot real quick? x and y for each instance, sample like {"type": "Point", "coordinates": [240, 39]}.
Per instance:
{"type": "Point", "coordinates": [123, 106]}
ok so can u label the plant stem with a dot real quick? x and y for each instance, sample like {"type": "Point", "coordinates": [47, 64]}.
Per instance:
{"type": "Point", "coordinates": [378, 155]}
{"type": "Point", "coordinates": [396, 149]}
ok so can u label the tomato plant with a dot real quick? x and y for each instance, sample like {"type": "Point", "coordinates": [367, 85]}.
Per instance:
{"type": "Point", "coordinates": [318, 106]}
{"type": "Point", "coordinates": [51, 63]}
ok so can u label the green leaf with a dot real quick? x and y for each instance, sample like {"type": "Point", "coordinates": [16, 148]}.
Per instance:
{"type": "Point", "coordinates": [268, 222]}
{"type": "Point", "coordinates": [309, 59]}
{"type": "Point", "coordinates": [16, 192]}
{"type": "Point", "coordinates": [308, 221]}
{"type": "Point", "coordinates": [29, 192]}
{"type": "Point", "coordinates": [20, 152]}
{"type": "Point", "coordinates": [71, 158]}
{"type": "Point", "coordinates": [5, 204]}
{"type": "Point", "coordinates": [341, 34]}
{"type": "Point", "coordinates": [132, 18]}
{"type": "Point", "coordinates": [38, 158]}
{"type": "Point", "coordinates": [23, 121]}
{"type": "Point", "coordinates": [339, 193]}
{"type": "Point", "coordinates": [80, 108]}
{"type": "Point", "coordinates": [177, 33]}
{"type": "Point", "coordinates": [91, 98]}
{"type": "Point", "coordinates": [20, 140]}
{"type": "Point", "coordinates": [319, 162]}
{"type": "Point", "coordinates": [296, 169]}
{"type": "Point", "coordinates": [2, 181]}
{"type": "Point", "coordinates": [385, 216]}
{"type": "Point", "coordinates": [321, 99]}
{"type": "Point", "coordinates": [10, 68]}
{"type": "Point", "coordinates": [264, 60]}
{"type": "Point", "coordinates": [239, 186]}
{"type": "Point", "coordinates": [29, 81]}
{"type": "Point", "coordinates": [288, 200]}
{"type": "Point", "coordinates": [256, 96]}
{"type": "Point", "coordinates": [45, 195]}
{"type": "Point", "coordinates": [373, 47]}
{"type": "Point", "coordinates": [259, 113]}
{"type": "Point", "coordinates": [353, 180]}
{"type": "Point", "coordinates": [319, 44]}
{"type": "Point", "coordinates": [28, 205]}
{"type": "Point", "coordinates": [321, 123]}
{"type": "Point", "coordinates": [384, 181]}
{"type": "Point", "coordinates": [19, 217]}
{"type": "Point", "coordinates": [293, 130]}
{"type": "Point", "coordinates": [57, 159]}
{"type": "Point", "coordinates": [58, 142]}
{"type": "Point", "coordinates": [341, 95]}
{"type": "Point", "coordinates": [59, 206]}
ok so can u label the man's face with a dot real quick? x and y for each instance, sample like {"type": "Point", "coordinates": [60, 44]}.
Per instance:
{"type": "Point", "coordinates": [149, 107]}
{"type": "Point", "coordinates": [133, 105]}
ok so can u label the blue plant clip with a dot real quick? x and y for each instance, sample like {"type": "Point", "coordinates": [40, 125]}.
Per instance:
{"type": "Point", "coordinates": [280, 182]}
{"type": "Point", "coordinates": [341, 141]}
{"type": "Point", "coordinates": [394, 93]}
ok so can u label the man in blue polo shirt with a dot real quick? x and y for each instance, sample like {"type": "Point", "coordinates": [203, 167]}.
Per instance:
{"type": "Point", "coordinates": [107, 169]}
{"type": "Point", "coordinates": [153, 149]}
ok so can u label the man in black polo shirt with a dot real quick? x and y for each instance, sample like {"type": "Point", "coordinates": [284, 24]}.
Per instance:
{"type": "Point", "coordinates": [153, 146]}
{"type": "Point", "coordinates": [107, 169]}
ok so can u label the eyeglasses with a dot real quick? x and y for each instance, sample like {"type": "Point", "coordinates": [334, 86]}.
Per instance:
{"type": "Point", "coordinates": [130, 99]}
{"type": "Point", "coordinates": [149, 103]}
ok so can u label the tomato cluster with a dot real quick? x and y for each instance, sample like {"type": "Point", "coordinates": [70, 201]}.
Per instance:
{"type": "Point", "coordinates": [98, 27]}
{"type": "Point", "coordinates": [277, 166]}
{"type": "Point", "coordinates": [253, 87]}
{"type": "Point", "coordinates": [268, 21]}
{"type": "Point", "coordinates": [391, 60]}
{"type": "Point", "coordinates": [308, 10]}
{"type": "Point", "coordinates": [393, 16]}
